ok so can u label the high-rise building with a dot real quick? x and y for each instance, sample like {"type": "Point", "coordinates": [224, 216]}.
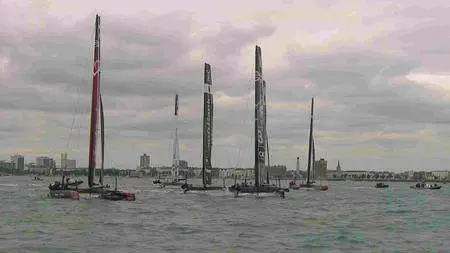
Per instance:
{"type": "Point", "coordinates": [64, 164]}
{"type": "Point", "coordinates": [17, 162]}
{"type": "Point", "coordinates": [183, 164]}
{"type": "Point", "coordinates": [320, 169]}
{"type": "Point", "coordinates": [45, 162]}
{"type": "Point", "coordinates": [5, 164]}
{"type": "Point", "coordinates": [277, 171]}
{"type": "Point", "coordinates": [144, 161]}
{"type": "Point", "coordinates": [71, 164]}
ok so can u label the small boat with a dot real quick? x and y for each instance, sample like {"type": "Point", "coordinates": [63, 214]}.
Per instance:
{"type": "Point", "coordinates": [293, 185]}
{"type": "Point", "coordinates": [37, 179]}
{"type": "Point", "coordinates": [426, 186]}
{"type": "Point", "coordinates": [116, 195]}
{"type": "Point", "coordinates": [381, 185]}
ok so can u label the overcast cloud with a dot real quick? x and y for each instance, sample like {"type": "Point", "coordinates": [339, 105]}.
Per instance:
{"type": "Point", "coordinates": [378, 71]}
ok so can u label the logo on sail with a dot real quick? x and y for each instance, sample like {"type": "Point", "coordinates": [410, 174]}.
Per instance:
{"type": "Point", "coordinates": [258, 76]}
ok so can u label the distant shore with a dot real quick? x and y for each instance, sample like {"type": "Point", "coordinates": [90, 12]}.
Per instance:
{"type": "Point", "coordinates": [381, 180]}
{"type": "Point", "coordinates": [348, 180]}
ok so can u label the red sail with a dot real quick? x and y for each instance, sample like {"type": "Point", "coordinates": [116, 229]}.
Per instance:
{"type": "Point", "coordinates": [95, 104]}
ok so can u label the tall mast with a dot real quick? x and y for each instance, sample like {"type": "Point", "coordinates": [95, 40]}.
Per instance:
{"type": "Point", "coordinates": [94, 104]}
{"type": "Point", "coordinates": [207, 122]}
{"type": "Point", "coordinates": [176, 147]}
{"type": "Point", "coordinates": [102, 132]}
{"type": "Point", "coordinates": [260, 142]}
{"type": "Point", "coordinates": [310, 141]}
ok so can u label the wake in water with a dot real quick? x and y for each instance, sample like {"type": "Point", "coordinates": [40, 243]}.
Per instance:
{"type": "Point", "coordinates": [9, 185]}
{"type": "Point", "coordinates": [219, 193]}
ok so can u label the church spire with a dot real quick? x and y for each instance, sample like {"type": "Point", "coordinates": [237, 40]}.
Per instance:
{"type": "Point", "coordinates": [338, 168]}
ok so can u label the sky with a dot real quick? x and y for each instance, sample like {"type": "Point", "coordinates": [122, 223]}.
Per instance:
{"type": "Point", "coordinates": [378, 71]}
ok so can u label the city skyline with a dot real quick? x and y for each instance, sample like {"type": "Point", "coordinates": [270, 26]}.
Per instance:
{"type": "Point", "coordinates": [377, 71]}
{"type": "Point", "coordinates": [144, 162]}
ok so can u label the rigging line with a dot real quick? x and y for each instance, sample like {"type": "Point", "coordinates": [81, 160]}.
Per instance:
{"type": "Point", "coordinates": [77, 108]}
{"type": "Point", "coordinates": [75, 112]}
{"type": "Point", "coordinates": [83, 110]}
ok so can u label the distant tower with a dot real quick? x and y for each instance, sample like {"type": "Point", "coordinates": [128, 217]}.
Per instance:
{"type": "Point", "coordinates": [298, 164]}
{"type": "Point", "coordinates": [338, 168]}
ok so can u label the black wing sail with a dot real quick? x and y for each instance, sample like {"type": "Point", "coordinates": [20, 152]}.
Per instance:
{"type": "Point", "coordinates": [260, 142]}
{"type": "Point", "coordinates": [207, 124]}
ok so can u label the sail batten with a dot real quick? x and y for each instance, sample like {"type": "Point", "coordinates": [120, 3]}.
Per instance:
{"type": "Point", "coordinates": [94, 104]}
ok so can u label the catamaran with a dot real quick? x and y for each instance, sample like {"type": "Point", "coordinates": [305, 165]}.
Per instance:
{"type": "Point", "coordinates": [207, 137]}
{"type": "Point", "coordinates": [175, 180]}
{"type": "Point", "coordinates": [310, 184]}
{"type": "Point", "coordinates": [61, 190]}
{"type": "Point", "coordinates": [262, 184]}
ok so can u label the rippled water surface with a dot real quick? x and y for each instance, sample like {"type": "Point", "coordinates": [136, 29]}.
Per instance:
{"type": "Point", "coordinates": [350, 217]}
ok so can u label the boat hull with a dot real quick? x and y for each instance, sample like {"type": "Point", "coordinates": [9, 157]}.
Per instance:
{"type": "Point", "coordinates": [237, 189]}
{"type": "Point", "coordinates": [64, 194]}
{"type": "Point", "coordinates": [426, 188]}
{"type": "Point", "coordinates": [423, 186]}
{"type": "Point", "coordinates": [188, 187]}
{"type": "Point", "coordinates": [91, 190]}
{"type": "Point", "coordinates": [172, 183]}
{"type": "Point", "coordinates": [315, 187]}
{"type": "Point", "coordinates": [118, 196]}
{"type": "Point", "coordinates": [294, 186]}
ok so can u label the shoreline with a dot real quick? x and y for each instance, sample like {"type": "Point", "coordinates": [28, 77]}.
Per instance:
{"type": "Point", "coordinates": [400, 181]}
{"type": "Point", "coordinates": [343, 180]}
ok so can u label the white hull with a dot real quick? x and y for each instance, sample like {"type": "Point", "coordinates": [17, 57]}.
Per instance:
{"type": "Point", "coordinates": [89, 195]}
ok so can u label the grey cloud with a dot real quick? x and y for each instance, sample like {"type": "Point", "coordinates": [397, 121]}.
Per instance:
{"type": "Point", "coordinates": [144, 63]}
{"type": "Point", "coordinates": [413, 111]}
{"type": "Point", "coordinates": [350, 80]}
{"type": "Point", "coordinates": [68, 61]}
{"type": "Point", "coordinates": [231, 40]}
{"type": "Point", "coordinates": [155, 71]}
{"type": "Point", "coordinates": [10, 130]}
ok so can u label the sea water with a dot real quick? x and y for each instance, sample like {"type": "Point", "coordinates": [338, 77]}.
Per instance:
{"type": "Point", "coordinates": [349, 217]}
